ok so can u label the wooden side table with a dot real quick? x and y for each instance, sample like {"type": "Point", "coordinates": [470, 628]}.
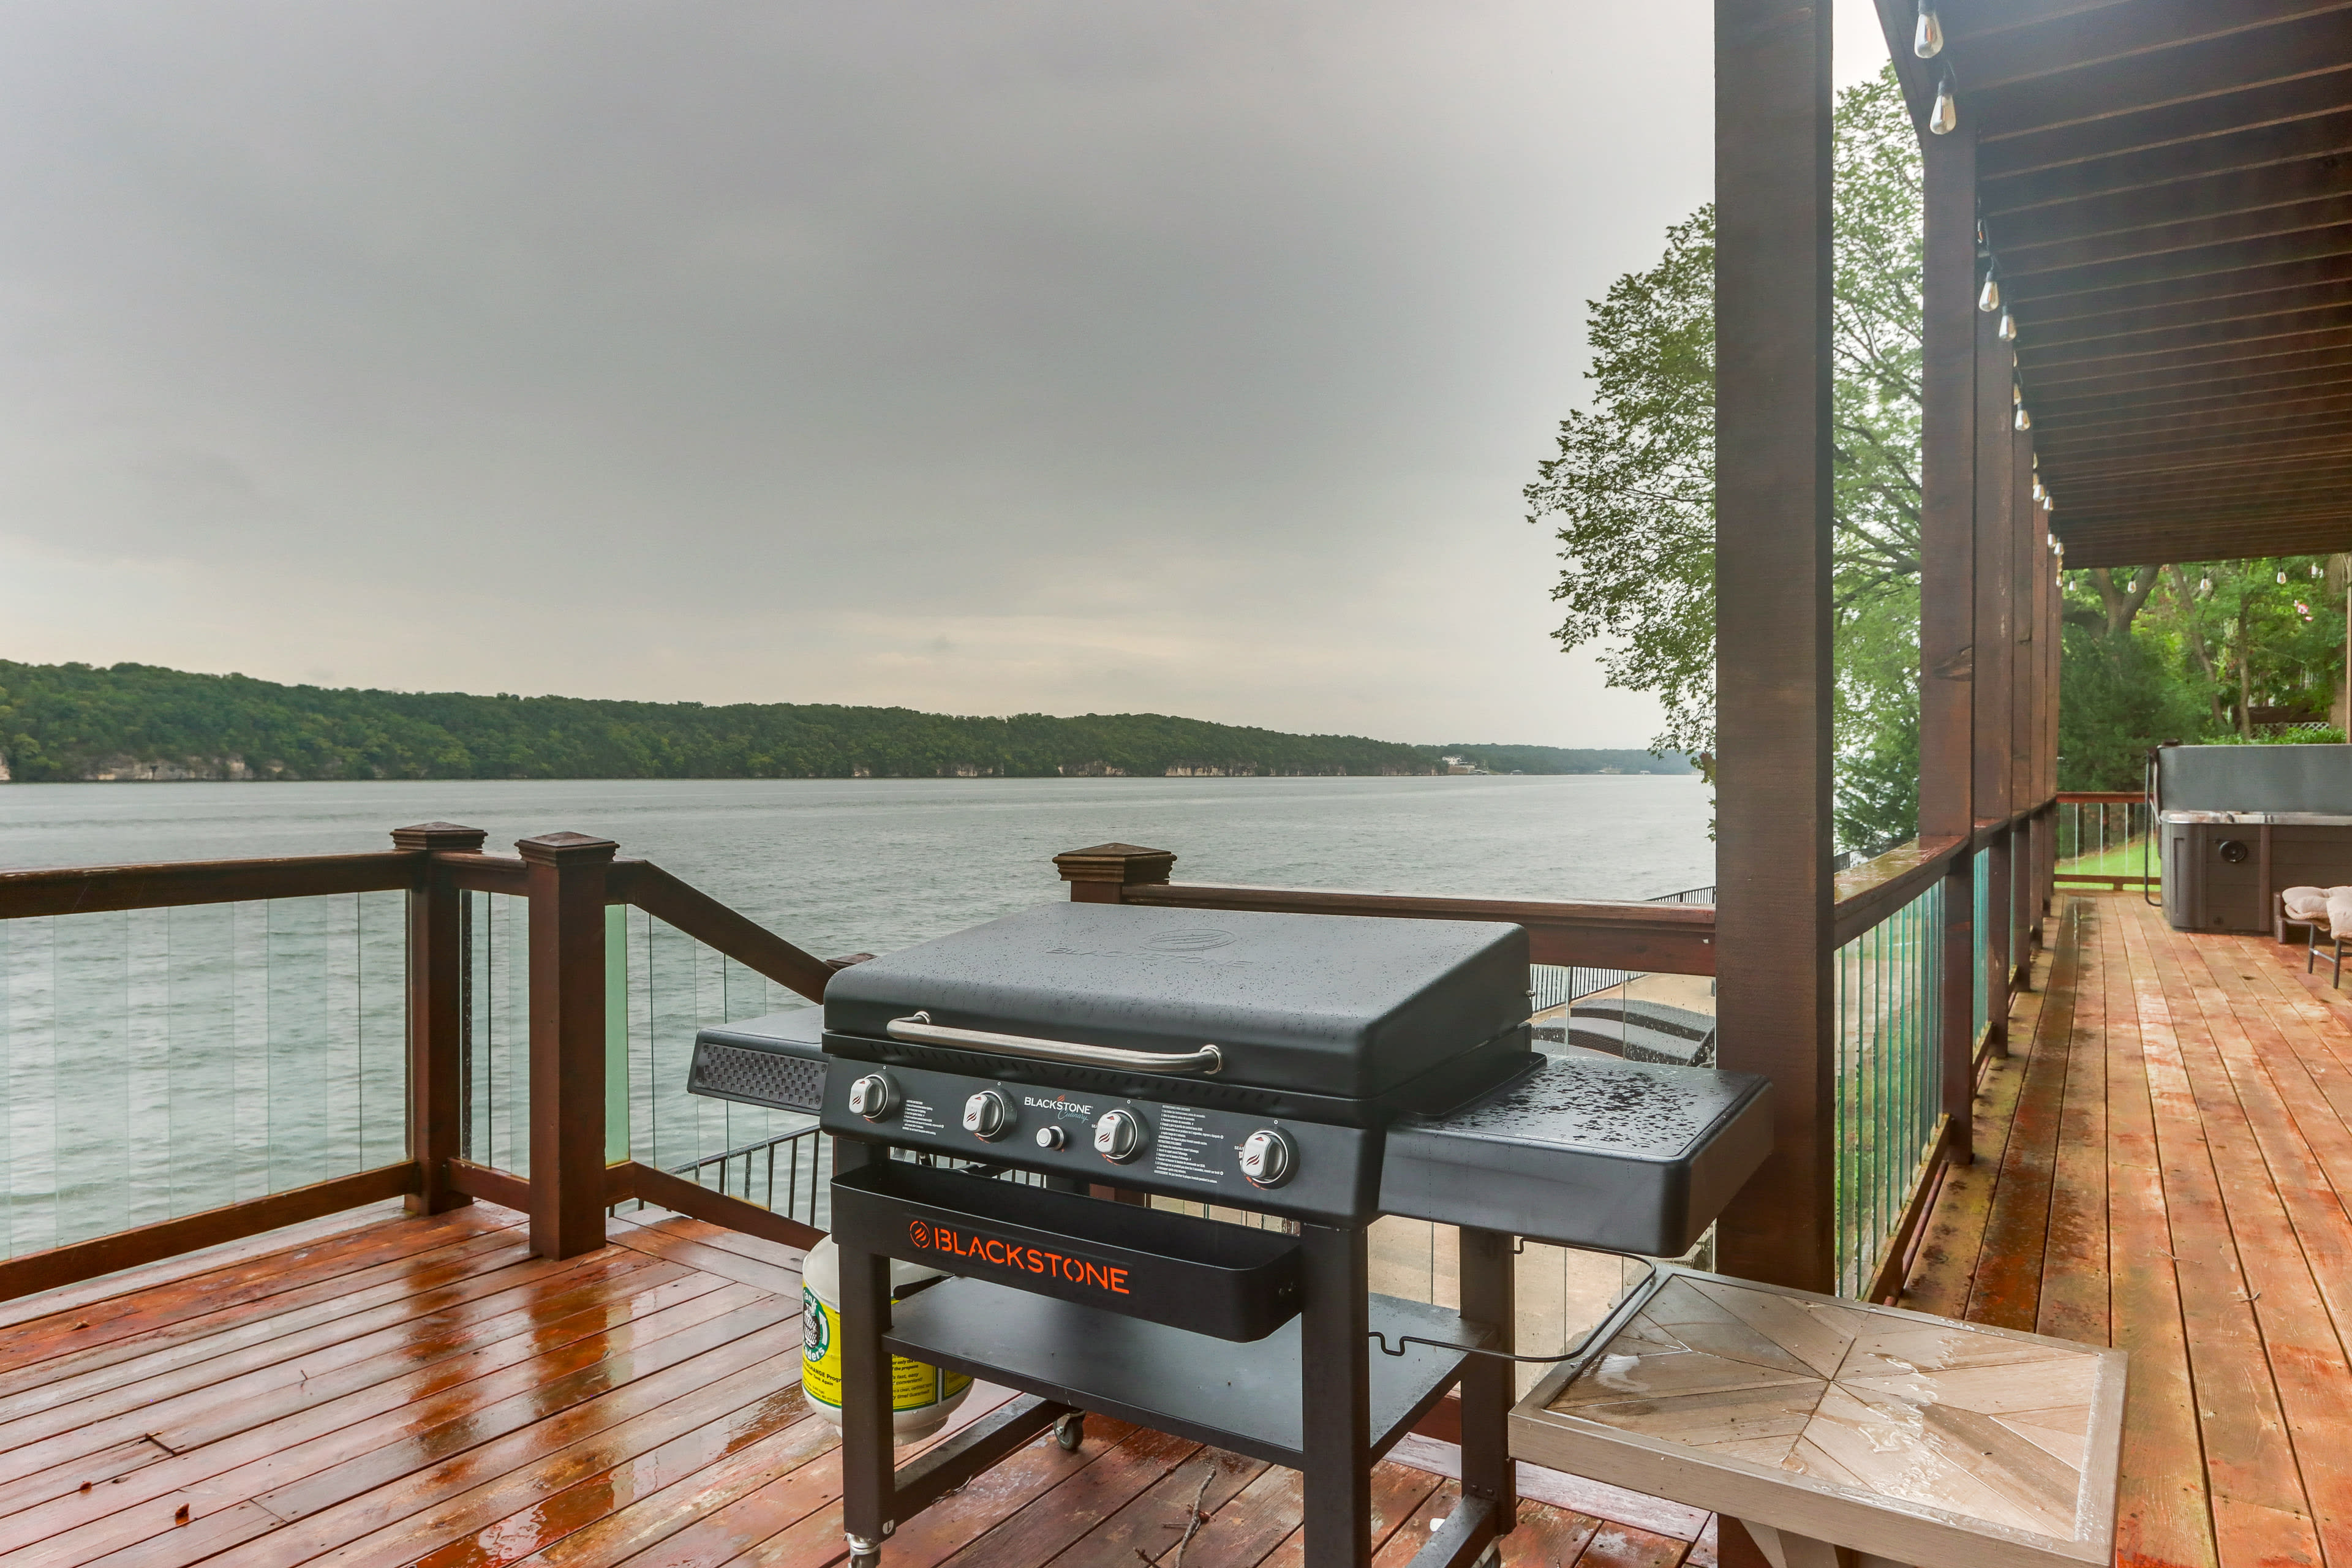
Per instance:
{"type": "Point", "coordinates": [1837, 1432]}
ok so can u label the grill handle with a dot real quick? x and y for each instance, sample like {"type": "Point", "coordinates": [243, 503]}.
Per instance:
{"type": "Point", "coordinates": [918, 1029]}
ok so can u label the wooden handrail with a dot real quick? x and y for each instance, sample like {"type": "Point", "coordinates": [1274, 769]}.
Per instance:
{"type": "Point", "coordinates": [1677, 939]}
{"type": "Point", "coordinates": [88, 889]}
{"type": "Point", "coordinates": [712, 923]}
{"type": "Point", "coordinates": [2102, 797]}
{"type": "Point", "coordinates": [1869, 892]}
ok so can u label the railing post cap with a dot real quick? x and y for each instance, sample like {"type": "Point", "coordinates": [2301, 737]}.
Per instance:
{"type": "Point", "coordinates": [565, 849]}
{"type": "Point", "coordinates": [438, 835]}
{"type": "Point", "coordinates": [1122, 863]}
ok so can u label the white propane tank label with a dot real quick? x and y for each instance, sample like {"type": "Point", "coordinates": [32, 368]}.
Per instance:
{"type": "Point", "coordinates": [921, 1396]}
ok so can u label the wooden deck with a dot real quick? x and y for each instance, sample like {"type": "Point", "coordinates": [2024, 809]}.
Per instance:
{"type": "Point", "coordinates": [387, 1390]}
{"type": "Point", "coordinates": [2163, 1165]}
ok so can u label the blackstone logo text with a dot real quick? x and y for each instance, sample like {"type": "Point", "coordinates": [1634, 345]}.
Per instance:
{"type": "Point", "coordinates": [1012, 1255]}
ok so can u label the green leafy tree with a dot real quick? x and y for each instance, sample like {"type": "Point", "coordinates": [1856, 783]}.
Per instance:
{"type": "Point", "coordinates": [1632, 482]}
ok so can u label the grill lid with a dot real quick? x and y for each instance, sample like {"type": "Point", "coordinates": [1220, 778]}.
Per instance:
{"type": "Point", "coordinates": [1344, 1005]}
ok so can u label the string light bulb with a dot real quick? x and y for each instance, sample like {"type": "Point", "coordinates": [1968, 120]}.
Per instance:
{"type": "Point", "coordinates": [1927, 39]}
{"type": "Point", "coordinates": [2282, 577]}
{"type": "Point", "coordinates": [1988, 297]}
{"type": "Point", "coordinates": [2204, 585]}
{"type": "Point", "coordinates": [2024, 420]}
{"type": "Point", "coordinates": [1946, 115]}
{"type": "Point", "coordinates": [2008, 327]}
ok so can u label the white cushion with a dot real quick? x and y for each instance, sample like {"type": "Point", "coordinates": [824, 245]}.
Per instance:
{"type": "Point", "coordinates": [2305, 903]}
{"type": "Point", "coordinates": [2339, 911]}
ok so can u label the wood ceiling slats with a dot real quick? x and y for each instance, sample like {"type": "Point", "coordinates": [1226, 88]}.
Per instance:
{"type": "Point", "coordinates": [2222, 333]}
{"type": "Point", "coordinates": [2199, 433]}
{"type": "Point", "coordinates": [2313, 350]}
{"type": "Point", "coordinates": [2024, 151]}
{"type": "Point", "coordinates": [2166, 187]}
{"type": "Point", "coordinates": [2200, 69]}
{"type": "Point", "coordinates": [2245, 455]}
{"type": "Point", "coordinates": [2141, 210]}
{"type": "Point", "coordinates": [2162, 240]}
{"type": "Point", "coordinates": [2029, 51]}
{"type": "Point", "coordinates": [2208, 269]}
{"type": "Point", "coordinates": [2256, 147]}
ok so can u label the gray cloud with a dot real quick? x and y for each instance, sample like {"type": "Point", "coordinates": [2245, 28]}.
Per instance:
{"type": "Point", "coordinates": [1037, 355]}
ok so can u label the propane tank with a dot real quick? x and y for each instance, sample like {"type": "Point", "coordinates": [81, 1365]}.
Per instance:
{"type": "Point", "coordinates": [922, 1396]}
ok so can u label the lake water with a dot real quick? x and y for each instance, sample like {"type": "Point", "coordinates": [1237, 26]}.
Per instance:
{"type": "Point", "coordinates": [875, 865]}
{"type": "Point", "coordinates": [158, 1062]}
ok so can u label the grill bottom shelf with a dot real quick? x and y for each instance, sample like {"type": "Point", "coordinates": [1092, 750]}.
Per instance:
{"type": "Point", "coordinates": [1243, 1397]}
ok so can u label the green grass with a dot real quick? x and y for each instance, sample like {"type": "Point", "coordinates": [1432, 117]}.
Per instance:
{"type": "Point", "coordinates": [2118, 860]}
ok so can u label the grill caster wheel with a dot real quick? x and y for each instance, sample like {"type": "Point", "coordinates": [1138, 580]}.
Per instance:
{"type": "Point", "coordinates": [1069, 1432]}
{"type": "Point", "coordinates": [867, 1559]}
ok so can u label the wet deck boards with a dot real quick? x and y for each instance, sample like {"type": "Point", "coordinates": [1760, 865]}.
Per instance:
{"type": "Point", "coordinates": [2164, 1163]}
{"type": "Point", "coordinates": [395, 1390]}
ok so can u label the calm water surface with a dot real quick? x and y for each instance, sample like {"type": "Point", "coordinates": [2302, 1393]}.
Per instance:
{"type": "Point", "coordinates": [875, 865]}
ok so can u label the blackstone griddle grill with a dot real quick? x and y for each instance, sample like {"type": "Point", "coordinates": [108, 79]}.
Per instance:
{"type": "Point", "coordinates": [1324, 1069]}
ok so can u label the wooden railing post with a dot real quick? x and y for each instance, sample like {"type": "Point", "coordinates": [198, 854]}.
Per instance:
{"type": "Point", "coordinates": [436, 1018]}
{"type": "Point", "coordinates": [567, 1040]}
{"type": "Point", "coordinates": [1099, 875]}
{"type": "Point", "coordinates": [1947, 597]}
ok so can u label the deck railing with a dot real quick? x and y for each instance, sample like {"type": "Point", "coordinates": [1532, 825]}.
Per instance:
{"type": "Point", "coordinates": [199, 1052]}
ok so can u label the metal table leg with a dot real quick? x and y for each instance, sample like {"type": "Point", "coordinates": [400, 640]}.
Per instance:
{"type": "Point", "coordinates": [1335, 1390]}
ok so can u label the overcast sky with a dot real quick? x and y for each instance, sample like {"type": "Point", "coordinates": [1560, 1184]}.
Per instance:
{"type": "Point", "coordinates": [977, 356]}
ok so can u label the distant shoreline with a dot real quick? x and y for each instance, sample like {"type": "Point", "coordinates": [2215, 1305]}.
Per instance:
{"type": "Point", "coordinates": [133, 723]}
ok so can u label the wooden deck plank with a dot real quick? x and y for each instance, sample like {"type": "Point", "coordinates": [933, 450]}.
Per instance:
{"type": "Point", "coordinates": [390, 1288]}
{"type": "Point", "coordinates": [121, 1316]}
{"type": "Point", "coordinates": [2279, 1231]}
{"type": "Point", "coordinates": [2075, 1268]}
{"type": "Point", "coordinates": [1045, 1526]}
{"type": "Point", "coordinates": [2006, 1290]}
{"type": "Point", "coordinates": [1401, 1497]}
{"type": "Point", "coordinates": [403, 1423]}
{"type": "Point", "coordinates": [675, 1239]}
{"type": "Point", "coordinates": [150, 1276]}
{"type": "Point", "coordinates": [187, 1409]}
{"type": "Point", "coordinates": [398, 1520]}
{"type": "Point", "coordinates": [1151, 1526]}
{"type": "Point", "coordinates": [2164, 1518]}
{"type": "Point", "coordinates": [2247, 1456]}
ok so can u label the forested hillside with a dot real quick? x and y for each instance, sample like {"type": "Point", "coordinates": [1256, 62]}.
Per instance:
{"type": "Point", "coordinates": [70, 721]}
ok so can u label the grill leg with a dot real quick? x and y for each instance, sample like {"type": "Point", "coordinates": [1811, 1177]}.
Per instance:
{"type": "Point", "coordinates": [867, 1510]}
{"type": "Point", "coordinates": [1336, 1388]}
{"type": "Point", "coordinates": [1487, 1297]}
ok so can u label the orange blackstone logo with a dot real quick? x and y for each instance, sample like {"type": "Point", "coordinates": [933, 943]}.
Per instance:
{"type": "Point", "coordinates": [1013, 1255]}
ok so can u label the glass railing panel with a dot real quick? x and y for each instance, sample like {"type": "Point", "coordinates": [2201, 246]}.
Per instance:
{"type": "Point", "coordinates": [1889, 1014]}
{"type": "Point", "coordinates": [159, 1062]}
{"type": "Point", "coordinates": [678, 987]}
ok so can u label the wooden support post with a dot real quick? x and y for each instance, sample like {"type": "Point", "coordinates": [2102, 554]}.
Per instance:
{"type": "Point", "coordinates": [2024, 709]}
{"type": "Point", "coordinates": [1098, 875]}
{"type": "Point", "coordinates": [567, 1040]}
{"type": "Point", "coordinates": [436, 1015]}
{"type": "Point", "coordinates": [1774, 672]}
{"type": "Point", "coordinates": [1996, 486]}
{"type": "Point", "coordinates": [1947, 597]}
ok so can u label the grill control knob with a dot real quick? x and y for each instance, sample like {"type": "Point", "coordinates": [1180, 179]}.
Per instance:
{"type": "Point", "coordinates": [987, 1114]}
{"type": "Point", "coordinates": [1118, 1135]}
{"type": "Point", "coordinates": [1268, 1158]}
{"type": "Point", "coordinates": [1051, 1137]}
{"type": "Point", "coordinates": [874, 1097]}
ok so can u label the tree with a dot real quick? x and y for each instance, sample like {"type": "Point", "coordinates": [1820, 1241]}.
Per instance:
{"type": "Point", "coordinates": [1633, 481]}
